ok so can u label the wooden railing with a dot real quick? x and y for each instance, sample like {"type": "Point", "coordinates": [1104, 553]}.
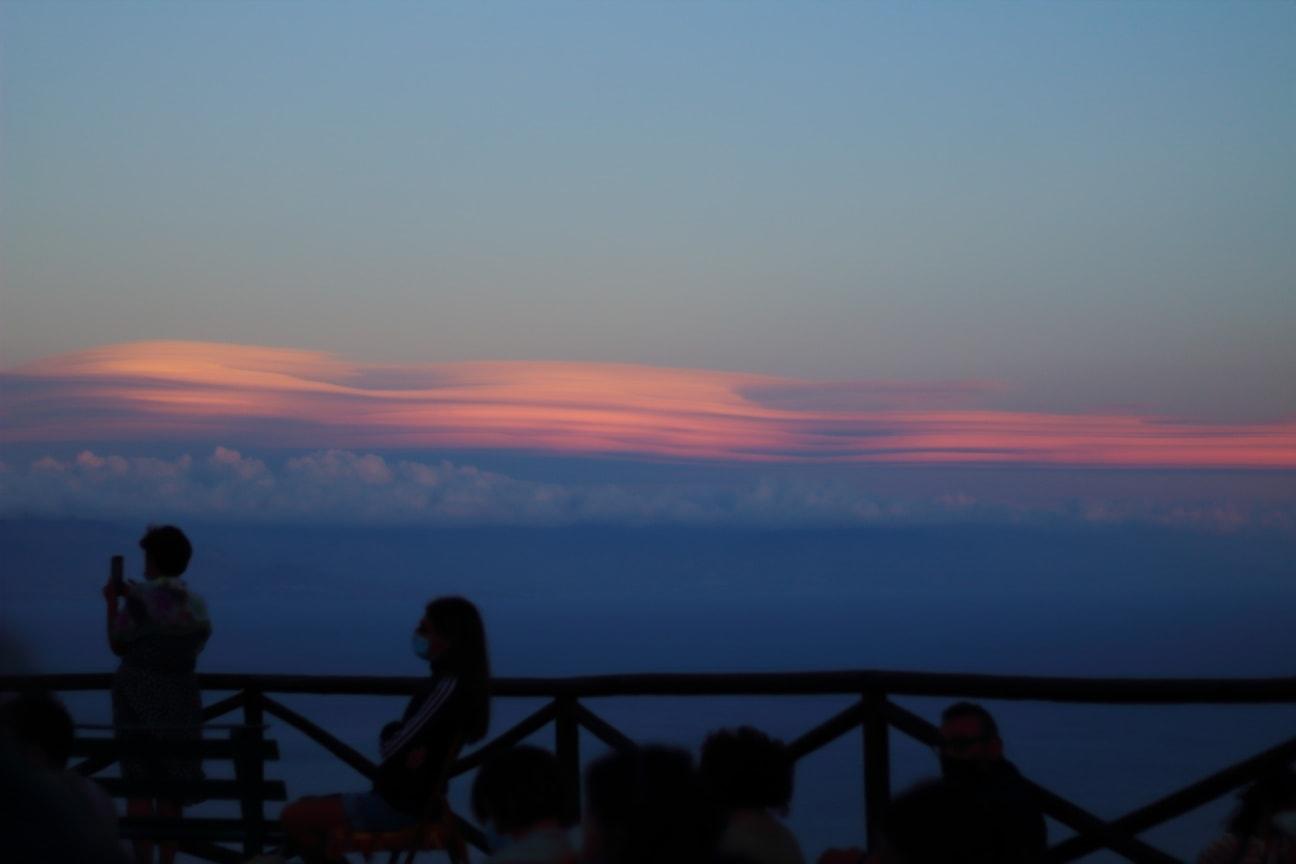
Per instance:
{"type": "Point", "coordinates": [874, 712]}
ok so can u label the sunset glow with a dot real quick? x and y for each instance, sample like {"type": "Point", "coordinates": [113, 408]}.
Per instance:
{"type": "Point", "coordinates": [192, 391]}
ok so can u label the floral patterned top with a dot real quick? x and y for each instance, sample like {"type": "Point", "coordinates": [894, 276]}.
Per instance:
{"type": "Point", "coordinates": [160, 624]}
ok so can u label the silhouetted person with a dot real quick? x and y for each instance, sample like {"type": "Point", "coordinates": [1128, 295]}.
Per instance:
{"type": "Point", "coordinates": [972, 761]}
{"type": "Point", "coordinates": [1000, 820]}
{"type": "Point", "coordinates": [36, 737]}
{"type": "Point", "coordinates": [453, 709]}
{"type": "Point", "coordinates": [937, 822]}
{"type": "Point", "coordinates": [1262, 830]}
{"type": "Point", "coordinates": [934, 822]}
{"type": "Point", "coordinates": [518, 797]}
{"type": "Point", "coordinates": [748, 776]}
{"type": "Point", "coordinates": [646, 806]}
{"type": "Point", "coordinates": [157, 627]}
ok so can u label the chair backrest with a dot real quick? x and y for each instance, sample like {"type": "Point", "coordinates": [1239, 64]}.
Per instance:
{"type": "Point", "coordinates": [437, 819]}
{"type": "Point", "coordinates": [437, 803]}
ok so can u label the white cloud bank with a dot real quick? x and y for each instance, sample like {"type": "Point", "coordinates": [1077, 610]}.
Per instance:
{"type": "Point", "coordinates": [348, 486]}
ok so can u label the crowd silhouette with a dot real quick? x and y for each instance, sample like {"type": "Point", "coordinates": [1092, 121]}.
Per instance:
{"type": "Point", "coordinates": [647, 805]}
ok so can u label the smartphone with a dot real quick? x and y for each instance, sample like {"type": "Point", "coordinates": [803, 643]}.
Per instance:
{"type": "Point", "coordinates": [117, 574]}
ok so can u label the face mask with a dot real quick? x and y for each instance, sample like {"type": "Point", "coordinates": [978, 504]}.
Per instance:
{"type": "Point", "coordinates": [1286, 822]}
{"type": "Point", "coordinates": [419, 643]}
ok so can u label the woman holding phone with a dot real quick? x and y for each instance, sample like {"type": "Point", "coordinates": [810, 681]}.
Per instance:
{"type": "Point", "coordinates": [157, 627]}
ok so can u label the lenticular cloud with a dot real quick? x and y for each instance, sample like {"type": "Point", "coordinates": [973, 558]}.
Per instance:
{"type": "Point", "coordinates": [271, 397]}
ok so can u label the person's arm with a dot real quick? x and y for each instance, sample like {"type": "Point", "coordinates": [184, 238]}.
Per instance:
{"type": "Point", "coordinates": [111, 594]}
{"type": "Point", "coordinates": [399, 740]}
{"type": "Point", "coordinates": [387, 732]}
{"type": "Point", "coordinates": [205, 631]}
{"type": "Point", "coordinates": [197, 607]}
{"type": "Point", "coordinates": [126, 620]}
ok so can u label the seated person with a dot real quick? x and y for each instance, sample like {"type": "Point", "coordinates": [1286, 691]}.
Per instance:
{"type": "Point", "coordinates": [1009, 826]}
{"type": "Point", "coordinates": [1263, 827]}
{"type": "Point", "coordinates": [518, 798]}
{"type": "Point", "coordinates": [937, 822]}
{"type": "Point", "coordinates": [972, 756]}
{"type": "Point", "coordinates": [748, 776]}
{"type": "Point", "coordinates": [646, 806]}
{"type": "Point", "coordinates": [451, 710]}
{"type": "Point", "coordinates": [38, 731]}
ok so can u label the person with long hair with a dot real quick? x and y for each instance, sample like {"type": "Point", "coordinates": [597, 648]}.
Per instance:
{"type": "Point", "coordinates": [451, 710]}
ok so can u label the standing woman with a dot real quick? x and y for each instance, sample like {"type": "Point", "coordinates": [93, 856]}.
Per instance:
{"type": "Point", "coordinates": [157, 627]}
{"type": "Point", "coordinates": [452, 709]}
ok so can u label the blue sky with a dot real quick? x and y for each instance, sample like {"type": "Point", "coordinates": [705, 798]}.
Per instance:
{"type": "Point", "coordinates": [976, 235]}
{"type": "Point", "coordinates": [1090, 202]}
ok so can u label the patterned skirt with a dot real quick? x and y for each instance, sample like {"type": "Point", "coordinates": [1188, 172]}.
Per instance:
{"type": "Point", "coordinates": [153, 706]}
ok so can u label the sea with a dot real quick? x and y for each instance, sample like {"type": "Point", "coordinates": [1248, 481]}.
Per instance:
{"type": "Point", "coordinates": [603, 599]}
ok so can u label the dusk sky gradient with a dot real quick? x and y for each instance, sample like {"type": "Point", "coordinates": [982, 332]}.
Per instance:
{"type": "Point", "coordinates": [697, 336]}
{"type": "Point", "coordinates": [704, 336]}
{"type": "Point", "coordinates": [1054, 235]}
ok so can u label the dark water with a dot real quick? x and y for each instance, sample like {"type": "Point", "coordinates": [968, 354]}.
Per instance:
{"type": "Point", "coordinates": [343, 599]}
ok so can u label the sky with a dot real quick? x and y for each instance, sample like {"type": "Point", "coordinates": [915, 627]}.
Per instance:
{"type": "Point", "coordinates": [826, 260]}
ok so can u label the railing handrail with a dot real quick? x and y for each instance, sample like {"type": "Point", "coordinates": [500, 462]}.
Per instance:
{"type": "Point", "coordinates": [1127, 691]}
{"type": "Point", "coordinates": [872, 711]}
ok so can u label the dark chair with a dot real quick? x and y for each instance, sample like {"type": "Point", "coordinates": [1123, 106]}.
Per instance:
{"type": "Point", "coordinates": [437, 829]}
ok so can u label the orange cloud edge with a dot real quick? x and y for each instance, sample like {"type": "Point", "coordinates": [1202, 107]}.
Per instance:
{"type": "Point", "coordinates": [263, 396]}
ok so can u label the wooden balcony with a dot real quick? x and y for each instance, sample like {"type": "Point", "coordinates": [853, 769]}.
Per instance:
{"type": "Point", "coordinates": [874, 715]}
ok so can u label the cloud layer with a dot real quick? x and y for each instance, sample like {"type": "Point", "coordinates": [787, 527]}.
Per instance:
{"type": "Point", "coordinates": [349, 486]}
{"type": "Point", "coordinates": [254, 396]}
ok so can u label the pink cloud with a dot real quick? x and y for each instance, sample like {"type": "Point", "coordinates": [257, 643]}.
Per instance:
{"type": "Point", "coordinates": [256, 396]}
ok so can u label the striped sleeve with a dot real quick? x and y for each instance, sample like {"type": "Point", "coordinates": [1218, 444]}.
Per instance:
{"type": "Point", "coordinates": [412, 727]}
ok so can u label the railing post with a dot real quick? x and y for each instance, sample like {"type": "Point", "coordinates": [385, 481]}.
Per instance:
{"type": "Point", "coordinates": [877, 767]}
{"type": "Point", "coordinates": [249, 769]}
{"type": "Point", "coordinates": [567, 749]}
